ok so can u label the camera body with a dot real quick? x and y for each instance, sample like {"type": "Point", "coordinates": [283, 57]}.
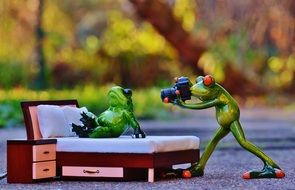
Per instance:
{"type": "Point", "coordinates": [181, 87]}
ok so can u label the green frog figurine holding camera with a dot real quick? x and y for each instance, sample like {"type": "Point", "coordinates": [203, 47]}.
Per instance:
{"type": "Point", "coordinates": [212, 94]}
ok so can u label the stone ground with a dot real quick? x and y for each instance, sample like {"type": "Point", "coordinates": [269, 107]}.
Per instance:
{"type": "Point", "coordinates": [272, 130]}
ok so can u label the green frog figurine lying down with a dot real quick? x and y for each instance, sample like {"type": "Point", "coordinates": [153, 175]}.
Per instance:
{"type": "Point", "coordinates": [114, 121]}
{"type": "Point", "coordinates": [212, 94]}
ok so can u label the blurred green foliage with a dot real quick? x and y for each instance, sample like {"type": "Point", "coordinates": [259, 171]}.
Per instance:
{"type": "Point", "coordinates": [185, 11]}
{"type": "Point", "coordinates": [102, 41]}
{"type": "Point", "coordinates": [12, 73]}
{"type": "Point", "coordinates": [91, 43]}
{"type": "Point", "coordinates": [100, 46]}
{"type": "Point", "coordinates": [10, 113]}
{"type": "Point", "coordinates": [106, 45]}
{"type": "Point", "coordinates": [147, 103]}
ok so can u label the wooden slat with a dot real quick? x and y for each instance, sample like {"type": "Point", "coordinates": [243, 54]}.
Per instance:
{"type": "Point", "coordinates": [19, 163]}
{"type": "Point", "coordinates": [32, 142]}
{"type": "Point", "coordinates": [104, 159]}
{"type": "Point", "coordinates": [126, 159]}
{"type": "Point", "coordinates": [178, 157]}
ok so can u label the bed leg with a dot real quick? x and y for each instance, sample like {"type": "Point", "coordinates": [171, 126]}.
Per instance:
{"type": "Point", "coordinates": [151, 175]}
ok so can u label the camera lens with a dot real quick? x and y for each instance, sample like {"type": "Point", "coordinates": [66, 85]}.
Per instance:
{"type": "Point", "coordinates": [168, 93]}
{"type": "Point", "coordinates": [182, 87]}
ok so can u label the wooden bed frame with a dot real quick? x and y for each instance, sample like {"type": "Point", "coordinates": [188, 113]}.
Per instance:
{"type": "Point", "coordinates": [134, 165]}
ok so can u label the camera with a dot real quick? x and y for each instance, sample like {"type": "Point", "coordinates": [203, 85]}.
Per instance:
{"type": "Point", "coordinates": [181, 87]}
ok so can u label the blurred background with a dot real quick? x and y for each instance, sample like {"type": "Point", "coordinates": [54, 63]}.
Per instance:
{"type": "Point", "coordinates": [51, 49]}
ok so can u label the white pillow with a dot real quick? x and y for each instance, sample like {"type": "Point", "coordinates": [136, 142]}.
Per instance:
{"type": "Point", "coordinates": [52, 121]}
{"type": "Point", "coordinates": [55, 121]}
{"type": "Point", "coordinates": [73, 115]}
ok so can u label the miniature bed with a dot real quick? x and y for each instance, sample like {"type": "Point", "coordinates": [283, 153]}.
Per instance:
{"type": "Point", "coordinates": [123, 158]}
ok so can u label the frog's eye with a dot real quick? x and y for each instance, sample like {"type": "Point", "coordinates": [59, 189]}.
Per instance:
{"type": "Point", "coordinates": [127, 92]}
{"type": "Point", "coordinates": [208, 80]}
{"type": "Point", "coordinates": [199, 79]}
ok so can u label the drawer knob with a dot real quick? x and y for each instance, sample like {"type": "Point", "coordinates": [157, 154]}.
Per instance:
{"type": "Point", "coordinates": [46, 152]}
{"type": "Point", "coordinates": [91, 171]}
{"type": "Point", "coordinates": [45, 170]}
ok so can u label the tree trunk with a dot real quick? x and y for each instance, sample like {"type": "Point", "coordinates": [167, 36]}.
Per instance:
{"type": "Point", "coordinates": [40, 80]}
{"type": "Point", "coordinates": [239, 84]}
{"type": "Point", "coordinates": [160, 15]}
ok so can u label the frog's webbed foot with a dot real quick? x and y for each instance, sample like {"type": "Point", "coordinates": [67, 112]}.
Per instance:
{"type": "Point", "coordinates": [138, 133]}
{"type": "Point", "coordinates": [267, 172]}
{"type": "Point", "coordinates": [194, 171]}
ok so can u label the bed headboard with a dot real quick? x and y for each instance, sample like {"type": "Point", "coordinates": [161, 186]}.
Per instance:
{"type": "Point", "coordinates": [29, 109]}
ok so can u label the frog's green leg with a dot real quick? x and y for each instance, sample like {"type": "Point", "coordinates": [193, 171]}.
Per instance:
{"type": "Point", "coordinates": [198, 169]}
{"type": "Point", "coordinates": [101, 132]}
{"type": "Point", "coordinates": [270, 169]}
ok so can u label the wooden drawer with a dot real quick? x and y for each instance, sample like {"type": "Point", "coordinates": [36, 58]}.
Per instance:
{"type": "Point", "coordinates": [44, 152]}
{"type": "Point", "coordinates": [92, 171]}
{"type": "Point", "coordinates": [44, 170]}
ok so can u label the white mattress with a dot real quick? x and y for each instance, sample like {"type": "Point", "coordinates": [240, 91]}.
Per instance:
{"type": "Point", "coordinates": [127, 144]}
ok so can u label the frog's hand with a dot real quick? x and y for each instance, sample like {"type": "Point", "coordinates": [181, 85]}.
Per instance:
{"type": "Point", "coordinates": [178, 102]}
{"type": "Point", "coordinates": [80, 130]}
{"type": "Point", "coordinates": [89, 120]}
